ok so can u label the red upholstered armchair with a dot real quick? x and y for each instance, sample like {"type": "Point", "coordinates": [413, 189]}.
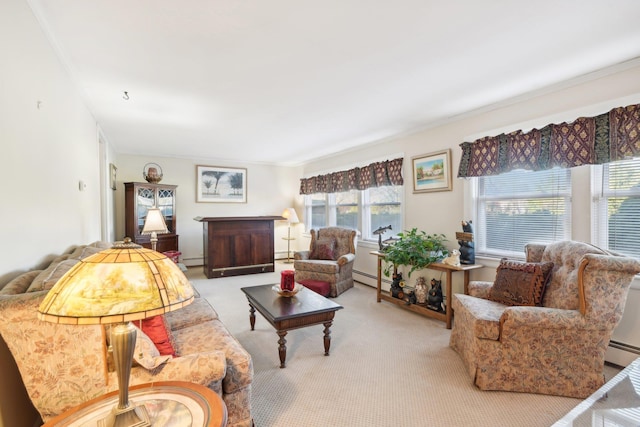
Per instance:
{"type": "Point", "coordinates": [329, 259]}
{"type": "Point", "coordinates": [553, 346]}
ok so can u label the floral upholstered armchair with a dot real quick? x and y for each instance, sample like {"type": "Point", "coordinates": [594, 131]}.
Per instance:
{"type": "Point", "coordinates": [329, 259]}
{"type": "Point", "coordinates": [515, 335]}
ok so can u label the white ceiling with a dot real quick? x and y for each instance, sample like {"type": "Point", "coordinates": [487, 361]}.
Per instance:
{"type": "Point", "coordinates": [288, 81]}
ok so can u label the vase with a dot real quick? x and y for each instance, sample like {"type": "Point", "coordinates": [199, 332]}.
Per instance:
{"type": "Point", "coordinates": [421, 290]}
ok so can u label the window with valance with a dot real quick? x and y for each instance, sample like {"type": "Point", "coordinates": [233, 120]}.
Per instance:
{"type": "Point", "coordinates": [378, 174]}
{"type": "Point", "coordinates": [605, 138]}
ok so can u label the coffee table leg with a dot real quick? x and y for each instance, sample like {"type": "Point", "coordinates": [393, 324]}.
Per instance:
{"type": "Point", "coordinates": [252, 316]}
{"type": "Point", "coordinates": [282, 348]}
{"type": "Point", "coordinates": [327, 337]}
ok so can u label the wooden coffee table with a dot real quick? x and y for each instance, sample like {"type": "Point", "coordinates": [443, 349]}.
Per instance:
{"type": "Point", "coordinates": [306, 308]}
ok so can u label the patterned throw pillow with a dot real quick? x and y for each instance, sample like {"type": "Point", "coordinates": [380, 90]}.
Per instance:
{"type": "Point", "coordinates": [520, 283]}
{"type": "Point", "coordinates": [324, 249]}
{"type": "Point", "coordinates": [146, 354]}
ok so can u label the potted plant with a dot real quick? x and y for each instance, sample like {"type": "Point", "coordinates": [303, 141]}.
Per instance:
{"type": "Point", "coordinates": [416, 249]}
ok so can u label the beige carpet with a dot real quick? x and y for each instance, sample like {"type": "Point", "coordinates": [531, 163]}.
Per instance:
{"type": "Point", "coordinates": [388, 367]}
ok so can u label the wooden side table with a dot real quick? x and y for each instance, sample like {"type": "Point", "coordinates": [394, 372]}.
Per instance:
{"type": "Point", "coordinates": [169, 403]}
{"type": "Point", "coordinates": [438, 266]}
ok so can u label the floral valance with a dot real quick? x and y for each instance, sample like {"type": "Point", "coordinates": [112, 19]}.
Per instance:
{"type": "Point", "coordinates": [376, 174]}
{"type": "Point", "coordinates": [586, 141]}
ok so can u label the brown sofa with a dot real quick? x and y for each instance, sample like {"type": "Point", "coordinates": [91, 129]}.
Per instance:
{"type": "Point", "coordinates": [64, 365]}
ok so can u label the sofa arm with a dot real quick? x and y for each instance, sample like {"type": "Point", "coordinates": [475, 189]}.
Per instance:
{"type": "Point", "coordinates": [301, 255]}
{"type": "Point", "coordinates": [206, 368]}
{"type": "Point", "coordinates": [480, 289]}
{"type": "Point", "coordinates": [346, 259]}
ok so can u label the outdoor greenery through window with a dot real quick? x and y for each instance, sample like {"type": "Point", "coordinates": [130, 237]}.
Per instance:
{"type": "Point", "coordinates": [364, 210]}
{"type": "Point", "coordinates": [518, 207]}
{"type": "Point", "coordinates": [617, 206]}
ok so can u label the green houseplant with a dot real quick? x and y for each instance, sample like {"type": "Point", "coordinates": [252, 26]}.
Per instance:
{"type": "Point", "coordinates": [416, 249]}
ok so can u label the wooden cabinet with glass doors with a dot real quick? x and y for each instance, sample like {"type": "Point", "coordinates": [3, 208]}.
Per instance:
{"type": "Point", "coordinates": [138, 198]}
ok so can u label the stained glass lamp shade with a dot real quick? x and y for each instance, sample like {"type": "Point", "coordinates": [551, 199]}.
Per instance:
{"type": "Point", "coordinates": [118, 285]}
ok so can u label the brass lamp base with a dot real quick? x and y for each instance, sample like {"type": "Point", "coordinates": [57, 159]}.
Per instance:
{"type": "Point", "coordinates": [133, 416]}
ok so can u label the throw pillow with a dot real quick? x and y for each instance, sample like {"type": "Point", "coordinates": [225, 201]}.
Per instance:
{"type": "Point", "coordinates": [520, 283]}
{"type": "Point", "coordinates": [324, 249]}
{"type": "Point", "coordinates": [145, 353]}
{"type": "Point", "coordinates": [158, 330]}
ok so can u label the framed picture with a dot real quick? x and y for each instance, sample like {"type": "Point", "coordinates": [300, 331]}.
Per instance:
{"type": "Point", "coordinates": [215, 184]}
{"type": "Point", "coordinates": [432, 172]}
{"type": "Point", "coordinates": [112, 176]}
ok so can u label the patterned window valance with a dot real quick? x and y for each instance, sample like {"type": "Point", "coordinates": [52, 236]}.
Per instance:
{"type": "Point", "coordinates": [376, 174]}
{"type": "Point", "coordinates": [586, 141]}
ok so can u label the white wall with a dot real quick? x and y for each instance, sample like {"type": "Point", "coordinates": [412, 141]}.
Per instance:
{"type": "Point", "coordinates": [48, 141]}
{"type": "Point", "coordinates": [270, 189]}
{"type": "Point", "coordinates": [442, 212]}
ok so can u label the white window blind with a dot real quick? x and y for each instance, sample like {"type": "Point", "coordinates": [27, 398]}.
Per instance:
{"type": "Point", "coordinates": [519, 207]}
{"type": "Point", "coordinates": [617, 206]}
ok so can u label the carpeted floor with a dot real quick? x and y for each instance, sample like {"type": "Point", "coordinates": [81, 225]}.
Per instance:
{"type": "Point", "coordinates": [388, 367]}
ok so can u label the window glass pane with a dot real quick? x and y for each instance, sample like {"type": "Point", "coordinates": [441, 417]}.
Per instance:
{"type": "Point", "coordinates": [347, 209]}
{"type": "Point", "coordinates": [385, 209]}
{"type": "Point", "coordinates": [519, 207]}
{"type": "Point", "coordinates": [318, 210]}
{"type": "Point", "coordinates": [622, 192]}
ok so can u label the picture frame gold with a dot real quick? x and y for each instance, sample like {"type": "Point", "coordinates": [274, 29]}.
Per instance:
{"type": "Point", "coordinates": [432, 172]}
{"type": "Point", "coordinates": [217, 184]}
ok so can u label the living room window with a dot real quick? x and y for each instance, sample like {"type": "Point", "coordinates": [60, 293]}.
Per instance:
{"type": "Point", "coordinates": [616, 206]}
{"type": "Point", "coordinates": [518, 207]}
{"type": "Point", "coordinates": [363, 210]}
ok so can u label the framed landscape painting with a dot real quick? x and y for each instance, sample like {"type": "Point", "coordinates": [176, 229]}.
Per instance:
{"type": "Point", "coordinates": [432, 172]}
{"type": "Point", "coordinates": [215, 184]}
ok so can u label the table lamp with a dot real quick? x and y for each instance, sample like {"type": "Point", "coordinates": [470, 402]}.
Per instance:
{"type": "Point", "coordinates": [292, 218]}
{"type": "Point", "coordinates": [117, 286]}
{"type": "Point", "coordinates": [154, 224]}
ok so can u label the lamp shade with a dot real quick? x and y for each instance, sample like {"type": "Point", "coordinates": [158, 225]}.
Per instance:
{"type": "Point", "coordinates": [154, 222]}
{"type": "Point", "coordinates": [290, 215]}
{"type": "Point", "coordinates": [121, 284]}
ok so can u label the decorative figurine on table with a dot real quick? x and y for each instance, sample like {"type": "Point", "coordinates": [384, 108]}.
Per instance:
{"type": "Point", "coordinates": [435, 297]}
{"type": "Point", "coordinates": [397, 285]}
{"type": "Point", "coordinates": [465, 240]}
{"type": "Point", "coordinates": [379, 232]}
{"type": "Point", "coordinates": [421, 290]}
{"type": "Point", "coordinates": [410, 298]}
{"type": "Point", "coordinates": [453, 259]}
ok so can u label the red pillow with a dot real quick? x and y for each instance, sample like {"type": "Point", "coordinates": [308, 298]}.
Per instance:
{"type": "Point", "coordinates": [156, 328]}
{"type": "Point", "coordinates": [323, 249]}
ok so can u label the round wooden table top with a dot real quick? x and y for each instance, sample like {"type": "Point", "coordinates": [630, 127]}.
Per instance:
{"type": "Point", "coordinates": [169, 403]}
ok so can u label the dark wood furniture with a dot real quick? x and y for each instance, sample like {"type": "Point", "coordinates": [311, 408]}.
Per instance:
{"type": "Point", "coordinates": [416, 308]}
{"type": "Point", "coordinates": [306, 308]}
{"type": "Point", "coordinates": [238, 245]}
{"type": "Point", "coordinates": [138, 198]}
{"type": "Point", "coordinates": [173, 402]}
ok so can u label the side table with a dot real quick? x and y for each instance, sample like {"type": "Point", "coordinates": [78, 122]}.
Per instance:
{"type": "Point", "coordinates": [438, 266]}
{"type": "Point", "coordinates": [170, 403]}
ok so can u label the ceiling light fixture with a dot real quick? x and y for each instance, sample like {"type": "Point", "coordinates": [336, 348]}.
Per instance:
{"type": "Point", "coordinates": [125, 96]}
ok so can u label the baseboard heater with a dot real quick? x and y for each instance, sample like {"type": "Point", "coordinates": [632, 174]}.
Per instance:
{"type": "Point", "coordinates": [625, 347]}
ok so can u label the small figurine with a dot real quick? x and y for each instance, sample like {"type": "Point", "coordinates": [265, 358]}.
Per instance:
{"type": "Point", "coordinates": [421, 290]}
{"type": "Point", "coordinates": [453, 259]}
{"type": "Point", "coordinates": [396, 286]}
{"type": "Point", "coordinates": [435, 297]}
{"type": "Point", "coordinates": [465, 240]}
{"type": "Point", "coordinates": [379, 232]}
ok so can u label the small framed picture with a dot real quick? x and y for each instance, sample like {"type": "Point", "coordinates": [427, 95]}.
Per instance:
{"type": "Point", "coordinates": [215, 184]}
{"type": "Point", "coordinates": [112, 176]}
{"type": "Point", "coordinates": [432, 172]}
